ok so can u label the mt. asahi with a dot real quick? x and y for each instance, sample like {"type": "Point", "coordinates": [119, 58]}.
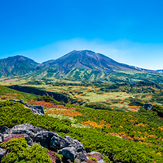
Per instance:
{"type": "Point", "coordinates": [77, 65]}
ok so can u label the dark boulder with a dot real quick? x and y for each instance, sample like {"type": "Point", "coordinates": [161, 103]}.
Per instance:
{"type": "Point", "coordinates": [79, 148]}
{"type": "Point", "coordinates": [68, 153]}
{"type": "Point", "coordinates": [58, 142]}
{"type": "Point", "coordinates": [148, 106]}
{"type": "Point", "coordinates": [21, 101]}
{"type": "Point", "coordinates": [4, 129]}
{"type": "Point", "coordinates": [44, 137]}
{"type": "Point", "coordinates": [28, 139]}
{"type": "Point", "coordinates": [74, 143]}
{"type": "Point", "coordinates": [40, 109]}
{"type": "Point", "coordinates": [24, 128]}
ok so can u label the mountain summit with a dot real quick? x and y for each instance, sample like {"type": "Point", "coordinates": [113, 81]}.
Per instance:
{"type": "Point", "coordinates": [86, 59]}
{"type": "Point", "coordinates": [17, 65]}
{"type": "Point", "coordinates": [83, 65]}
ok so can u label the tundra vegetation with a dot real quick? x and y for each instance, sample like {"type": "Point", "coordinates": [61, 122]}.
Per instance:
{"type": "Point", "coordinates": [109, 124]}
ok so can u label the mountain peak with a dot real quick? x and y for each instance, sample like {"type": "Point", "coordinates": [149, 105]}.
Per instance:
{"type": "Point", "coordinates": [87, 59]}
{"type": "Point", "coordinates": [17, 65]}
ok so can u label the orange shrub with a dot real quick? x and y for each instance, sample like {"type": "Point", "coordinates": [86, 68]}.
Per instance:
{"type": "Point", "coordinates": [142, 124]}
{"type": "Point", "coordinates": [133, 121]}
{"type": "Point", "coordinates": [161, 128]}
{"type": "Point", "coordinates": [92, 124]}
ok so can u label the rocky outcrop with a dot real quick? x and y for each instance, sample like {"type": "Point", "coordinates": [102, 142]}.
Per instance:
{"type": "Point", "coordinates": [68, 147]}
{"type": "Point", "coordinates": [148, 106]}
{"type": "Point", "coordinates": [35, 109]}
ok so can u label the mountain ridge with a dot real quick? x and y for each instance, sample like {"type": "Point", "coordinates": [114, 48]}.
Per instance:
{"type": "Point", "coordinates": [82, 65]}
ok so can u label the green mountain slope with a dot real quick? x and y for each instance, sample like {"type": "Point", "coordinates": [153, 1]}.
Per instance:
{"type": "Point", "coordinates": [16, 66]}
{"type": "Point", "coordinates": [121, 136]}
{"type": "Point", "coordinates": [8, 93]}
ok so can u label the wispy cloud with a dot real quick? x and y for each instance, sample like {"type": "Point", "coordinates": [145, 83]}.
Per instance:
{"type": "Point", "coordinates": [148, 56]}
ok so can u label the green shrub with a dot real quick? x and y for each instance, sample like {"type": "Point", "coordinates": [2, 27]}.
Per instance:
{"type": "Point", "coordinates": [159, 110]}
{"type": "Point", "coordinates": [18, 152]}
{"type": "Point", "coordinates": [46, 99]}
{"type": "Point", "coordinates": [97, 139]}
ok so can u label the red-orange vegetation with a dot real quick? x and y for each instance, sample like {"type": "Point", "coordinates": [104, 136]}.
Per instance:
{"type": "Point", "coordinates": [14, 137]}
{"type": "Point", "coordinates": [49, 105]}
{"type": "Point", "coordinates": [69, 113]}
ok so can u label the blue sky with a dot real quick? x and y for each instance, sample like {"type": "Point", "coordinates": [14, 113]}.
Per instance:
{"type": "Point", "coordinates": [130, 32]}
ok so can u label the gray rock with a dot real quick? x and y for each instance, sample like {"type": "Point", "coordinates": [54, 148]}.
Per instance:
{"type": "Point", "coordinates": [5, 136]}
{"type": "Point", "coordinates": [2, 152]}
{"type": "Point", "coordinates": [38, 129]}
{"type": "Point", "coordinates": [79, 148]}
{"type": "Point", "coordinates": [44, 138]}
{"type": "Point", "coordinates": [39, 109]}
{"type": "Point", "coordinates": [74, 143]}
{"type": "Point", "coordinates": [68, 147]}
{"type": "Point", "coordinates": [1, 138]}
{"type": "Point", "coordinates": [28, 139]}
{"type": "Point", "coordinates": [25, 128]}
{"type": "Point", "coordinates": [35, 109]}
{"type": "Point", "coordinates": [68, 153]}
{"type": "Point", "coordinates": [58, 142]}
{"type": "Point", "coordinates": [82, 155]}
{"type": "Point", "coordinates": [21, 101]}
{"type": "Point", "coordinates": [148, 106]}
{"type": "Point", "coordinates": [4, 129]}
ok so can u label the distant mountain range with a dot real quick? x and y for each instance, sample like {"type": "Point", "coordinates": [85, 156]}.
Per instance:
{"type": "Point", "coordinates": [76, 65]}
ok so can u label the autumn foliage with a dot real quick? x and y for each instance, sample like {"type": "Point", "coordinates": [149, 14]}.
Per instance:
{"type": "Point", "coordinates": [69, 113]}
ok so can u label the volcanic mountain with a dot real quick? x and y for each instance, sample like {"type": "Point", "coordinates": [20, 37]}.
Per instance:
{"type": "Point", "coordinates": [17, 65]}
{"type": "Point", "coordinates": [86, 59]}
{"type": "Point", "coordinates": [84, 65]}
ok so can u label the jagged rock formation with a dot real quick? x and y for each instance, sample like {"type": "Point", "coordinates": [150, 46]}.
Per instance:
{"type": "Point", "coordinates": [68, 147]}
{"type": "Point", "coordinates": [71, 149]}
{"type": "Point", "coordinates": [35, 109]}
